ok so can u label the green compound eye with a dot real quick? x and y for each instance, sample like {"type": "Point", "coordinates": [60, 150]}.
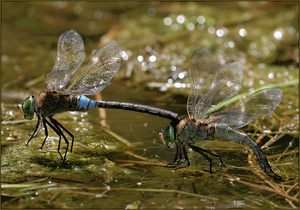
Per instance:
{"type": "Point", "coordinates": [169, 136]}
{"type": "Point", "coordinates": [27, 107]}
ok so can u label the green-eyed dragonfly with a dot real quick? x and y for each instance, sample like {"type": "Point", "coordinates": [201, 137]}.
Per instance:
{"type": "Point", "coordinates": [212, 84]}
{"type": "Point", "coordinates": [60, 97]}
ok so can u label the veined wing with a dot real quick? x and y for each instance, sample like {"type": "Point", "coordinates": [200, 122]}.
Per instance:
{"type": "Point", "coordinates": [102, 67]}
{"type": "Point", "coordinates": [258, 105]}
{"type": "Point", "coordinates": [70, 55]}
{"type": "Point", "coordinates": [212, 83]}
{"type": "Point", "coordinates": [203, 68]}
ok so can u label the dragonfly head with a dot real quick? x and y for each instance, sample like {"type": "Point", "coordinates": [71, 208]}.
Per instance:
{"type": "Point", "coordinates": [27, 107]}
{"type": "Point", "coordinates": [167, 137]}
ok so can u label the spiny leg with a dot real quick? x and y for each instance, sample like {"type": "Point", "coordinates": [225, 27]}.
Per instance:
{"type": "Point", "coordinates": [180, 149]}
{"type": "Point", "coordinates": [36, 130]}
{"type": "Point", "coordinates": [186, 157]}
{"type": "Point", "coordinates": [46, 133]}
{"type": "Point", "coordinates": [199, 150]}
{"type": "Point", "coordinates": [176, 153]}
{"type": "Point", "coordinates": [180, 152]}
{"type": "Point", "coordinates": [176, 157]}
{"type": "Point", "coordinates": [58, 132]}
{"type": "Point", "coordinates": [213, 154]}
{"type": "Point", "coordinates": [55, 122]}
{"type": "Point", "coordinates": [58, 127]}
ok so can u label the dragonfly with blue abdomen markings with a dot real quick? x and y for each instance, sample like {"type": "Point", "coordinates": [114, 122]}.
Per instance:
{"type": "Point", "coordinates": [60, 97]}
{"type": "Point", "coordinates": [212, 84]}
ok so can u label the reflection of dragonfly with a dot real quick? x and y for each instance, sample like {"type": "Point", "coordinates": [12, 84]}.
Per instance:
{"type": "Point", "coordinates": [58, 98]}
{"type": "Point", "coordinates": [211, 85]}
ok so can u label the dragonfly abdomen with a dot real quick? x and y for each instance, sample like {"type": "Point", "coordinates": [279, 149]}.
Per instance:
{"type": "Point", "coordinates": [139, 108]}
{"type": "Point", "coordinates": [85, 104]}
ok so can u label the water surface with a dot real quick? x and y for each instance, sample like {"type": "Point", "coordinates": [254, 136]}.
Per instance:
{"type": "Point", "coordinates": [124, 167]}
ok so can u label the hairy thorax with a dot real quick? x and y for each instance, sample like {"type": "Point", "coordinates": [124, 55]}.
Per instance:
{"type": "Point", "coordinates": [53, 102]}
{"type": "Point", "coordinates": [190, 130]}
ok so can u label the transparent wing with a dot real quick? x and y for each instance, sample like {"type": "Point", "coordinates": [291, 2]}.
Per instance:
{"type": "Point", "coordinates": [258, 105]}
{"type": "Point", "coordinates": [70, 55]}
{"type": "Point", "coordinates": [203, 68]}
{"type": "Point", "coordinates": [212, 83]}
{"type": "Point", "coordinates": [102, 67]}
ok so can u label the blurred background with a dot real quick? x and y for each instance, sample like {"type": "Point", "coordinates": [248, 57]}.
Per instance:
{"type": "Point", "coordinates": [158, 39]}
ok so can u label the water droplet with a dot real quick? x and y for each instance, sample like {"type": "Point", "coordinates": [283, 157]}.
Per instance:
{"type": "Point", "coordinates": [140, 58]}
{"type": "Point", "coordinates": [211, 30]}
{"type": "Point", "coordinates": [291, 30]}
{"type": "Point", "coordinates": [181, 75]}
{"type": "Point", "coordinates": [278, 35]}
{"type": "Point", "coordinates": [180, 19]}
{"type": "Point", "coordinates": [220, 32]}
{"type": "Point", "coordinates": [201, 19]}
{"type": "Point", "coordinates": [152, 58]}
{"type": "Point", "coordinates": [190, 26]}
{"type": "Point", "coordinates": [167, 21]}
{"type": "Point", "coordinates": [242, 32]}
{"type": "Point", "coordinates": [170, 80]}
{"type": "Point", "coordinates": [278, 75]}
{"type": "Point", "coordinates": [151, 11]}
{"type": "Point", "coordinates": [124, 56]}
{"type": "Point", "coordinates": [250, 84]}
{"type": "Point", "coordinates": [231, 44]}
{"type": "Point", "coordinates": [271, 75]}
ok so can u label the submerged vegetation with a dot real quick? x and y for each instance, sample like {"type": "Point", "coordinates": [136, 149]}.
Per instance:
{"type": "Point", "coordinates": [118, 160]}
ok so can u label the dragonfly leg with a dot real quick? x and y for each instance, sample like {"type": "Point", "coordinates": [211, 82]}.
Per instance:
{"type": "Point", "coordinates": [178, 161]}
{"type": "Point", "coordinates": [60, 133]}
{"type": "Point", "coordinates": [176, 157]}
{"type": "Point", "coordinates": [180, 149]}
{"type": "Point", "coordinates": [177, 153]}
{"type": "Point", "coordinates": [201, 152]}
{"type": "Point", "coordinates": [67, 131]}
{"type": "Point", "coordinates": [46, 133]}
{"type": "Point", "coordinates": [186, 157]}
{"type": "Point", "coordinates": [36, 131]}
{"type": "Point", "coordinates": [211, 153]}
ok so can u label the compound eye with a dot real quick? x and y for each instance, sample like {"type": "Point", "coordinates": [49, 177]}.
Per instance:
{"type": "Point", "coordinates": [27, 107]}
{"type": "Point", "coordinates": [169, 136]}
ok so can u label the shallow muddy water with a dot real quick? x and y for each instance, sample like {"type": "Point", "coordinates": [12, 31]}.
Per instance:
{"type": "Point", "coordinates": [120, 162]}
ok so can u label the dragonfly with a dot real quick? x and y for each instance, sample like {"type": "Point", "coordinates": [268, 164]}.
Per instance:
{"type": "Point", "coordinates": [212, 84]}
{"type": "Point", "coordinates": [60, 96]}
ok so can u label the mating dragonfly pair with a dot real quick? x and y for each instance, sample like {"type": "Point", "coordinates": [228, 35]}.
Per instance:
{"type": "Point", "coordinates": [211, 84]}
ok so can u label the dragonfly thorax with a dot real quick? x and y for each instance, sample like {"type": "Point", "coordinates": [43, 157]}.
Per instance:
{"type": "Point", "coordinates": [50, 102]}
{"type": "Point", "coordinates": [190, 130]}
